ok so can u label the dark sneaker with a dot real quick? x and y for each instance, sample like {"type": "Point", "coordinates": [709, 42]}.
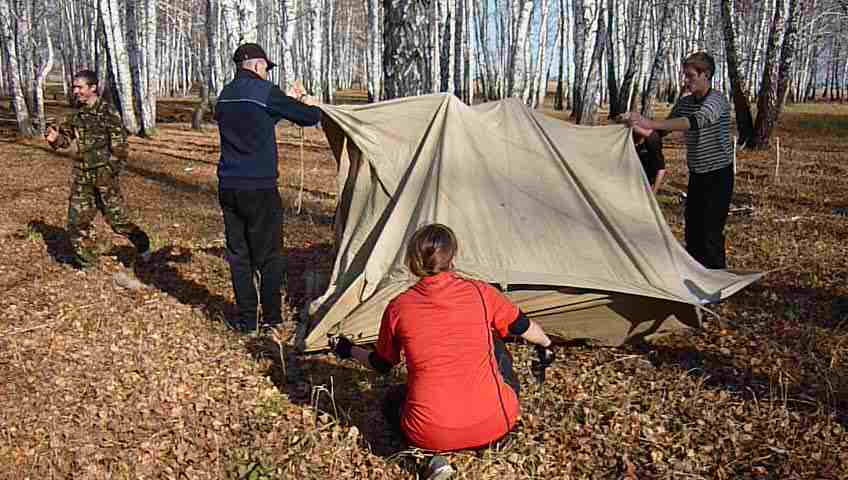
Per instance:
{"type": "Point", "coordinates": [438, 469]}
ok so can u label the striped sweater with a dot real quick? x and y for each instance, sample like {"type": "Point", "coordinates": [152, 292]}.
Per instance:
{"type": "Point", "coordinates": [708, 143]}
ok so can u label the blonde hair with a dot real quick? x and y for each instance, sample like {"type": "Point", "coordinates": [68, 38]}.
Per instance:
{"type": "Point", "coordinates": [431, 250]}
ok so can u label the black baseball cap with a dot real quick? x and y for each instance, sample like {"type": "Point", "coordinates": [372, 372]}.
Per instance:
{"type": "Point", "coordinates": [247, 51]}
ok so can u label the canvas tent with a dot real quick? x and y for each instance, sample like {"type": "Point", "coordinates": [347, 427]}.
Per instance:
{"type": "Point", "coordinates": [558, 215]}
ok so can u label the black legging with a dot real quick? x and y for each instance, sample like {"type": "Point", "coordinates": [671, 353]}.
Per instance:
{"type": "Point", "coordinates": [396, 396]}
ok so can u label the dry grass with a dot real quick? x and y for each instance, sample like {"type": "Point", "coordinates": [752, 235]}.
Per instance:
{"type": "Point", "coordinates": [101, 382]}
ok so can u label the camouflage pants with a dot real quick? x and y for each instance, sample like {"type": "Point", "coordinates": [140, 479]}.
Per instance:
{"type": "Point", "coordinates": [92, 191]}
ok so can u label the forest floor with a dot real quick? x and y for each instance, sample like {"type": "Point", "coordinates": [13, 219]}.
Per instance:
{"type": "Point", "coordinates": [102, 381]}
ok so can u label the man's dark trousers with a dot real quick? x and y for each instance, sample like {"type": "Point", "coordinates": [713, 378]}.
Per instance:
{"type": "Point", "coordinates": [253, 222]}
{"type": "Point", "coordinates": [707, 206]}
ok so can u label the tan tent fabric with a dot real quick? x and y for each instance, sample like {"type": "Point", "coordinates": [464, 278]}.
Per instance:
{"type": "Point", "coordinates": [537, 204]}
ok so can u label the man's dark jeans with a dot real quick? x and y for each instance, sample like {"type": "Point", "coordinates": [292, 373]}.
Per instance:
{"type": "Point", "coordinates": [253, 223]}
{"type": "Point", "coordinates": [707, 206]}
{"type": "Point", "coordinates": [396, 396]}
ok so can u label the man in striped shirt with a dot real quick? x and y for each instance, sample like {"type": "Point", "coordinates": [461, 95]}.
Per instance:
{"type": "Point", "coordinates": [704, 116]}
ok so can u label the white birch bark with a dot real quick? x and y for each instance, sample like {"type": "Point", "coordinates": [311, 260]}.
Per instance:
{"type": "Point", "coordinates": [450, 41]}
{"type": "Point", "coordinates": [289, 8]}
{"type": "Point", "coordinates": [316, 13]}
{"type": "Point", "coordinates": [22, 115]}
{"type": "Point", "coordinates": [230, 36]}
{"type": "Point", "coordinates": [372, 46]}
{"type": "Point", "coordinates": [246, 14]}
{"type": "Point", "coordinates": [149, 36]}
{"type": "Point", "coordinates": [327, 64]}
{"type": "Point", "coordinates": [436, 7]}
{"type": "Point", "coordinates": [516, 72]}
{"type": "Point", "coordinates": [484, 54]}
{"type": "Point", "coordinates": [468, 77]}
{"type": "Point", "coordinates": [592, 91]}
{"type": "Point", "coordinates": [540, 82]}
{"type": "Point", "coordinates": [139, 45]}
{"type": "Point", "coordinates": [579, 33]}
{"type": "Point", "coordinates": [118, 57]}
{"type": "Point", "coordinates": [41, 78]}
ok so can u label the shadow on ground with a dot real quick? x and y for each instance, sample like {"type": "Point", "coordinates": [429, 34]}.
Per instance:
{"type": "Point", "coordinates": [56, 239]}
{"type": "Point", "coordinates": [350, 395]}
{"type": "Point", "coordinates": [160, 274]}
{"type": "Point", "coordinates": [719, 371]}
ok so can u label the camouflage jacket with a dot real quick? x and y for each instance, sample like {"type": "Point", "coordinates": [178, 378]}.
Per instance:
{"type": "Point", "coordinates": [100, 135]}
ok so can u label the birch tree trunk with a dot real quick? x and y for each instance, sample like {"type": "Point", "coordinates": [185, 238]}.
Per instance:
{"type": "Point", "coordinates": [739, 91]}
{"type": "Point", "coordinates": [580, 10]}
{"type": "Point", "coordinates": [404, 64]}
{"type": "Point", "coordinates": [213, 81]}
{"type": "Point", "coordinates": [149, 35]}
{"type": "Point", "coordinates": [592, 91]}
{"type": "Point", "coordinates": [22, 115]}
{"type": "Point", "coordinates": [516, 71]}
{"type": "Point", "coordinates": [634, 60]}
{"type": "Point", "coordinates": [373, 49]}
{"type": "Point", "coordinates": [316, 14]}
{"type": "Point", "coordinates": [652, 86]}
{"type": "Point", "coordinates": [288, 28]}
{"type": "Point", "coordinates": [118, 61]}
{"type": "Point", "coordinates": [436, 7]}
{"type": "Point", "coordinates": [486, 75]}
{"type": "Point", "coordinates": [229, 36]}
{"type": "Point", "coordinates": [756, 56]}
{"type": "Point", "coordinates": [457, 44]}
{"type": "Point", "coordinates": [787, 54]}
{"type": "Point", "coordinates": [559, 100]}
{"type": "Point", "coordinates": [767, 98]}
{"type": "Point", "coordinates": [467, 81]}
{"type": "Point", "coordinates": [247, 26]}
{"type": "Point", "coordinates": [540, 82]}
{"type": "Point", "coordinates": [41, 79]}
{"type": "Point", "coordinates": [612, 81]}
{"type": "Point", "coordinates": [140, 43]}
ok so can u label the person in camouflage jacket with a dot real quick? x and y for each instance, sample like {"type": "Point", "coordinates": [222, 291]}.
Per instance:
{"type": "Point", "coordinates": [103, 149]}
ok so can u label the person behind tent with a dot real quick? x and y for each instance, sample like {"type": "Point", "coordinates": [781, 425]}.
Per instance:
{"type": "Point", "coordinates": [705, 117]}
{"type": "Point", "coordinates": [462, 392]}
{"type": "Point", "coordinates": [649, 148]}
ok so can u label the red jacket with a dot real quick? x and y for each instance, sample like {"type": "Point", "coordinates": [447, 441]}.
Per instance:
{"type": "Point", "coordinates": [456, 398]}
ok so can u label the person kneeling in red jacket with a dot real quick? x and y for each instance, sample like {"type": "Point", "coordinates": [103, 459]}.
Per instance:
{"type": "Point", "coordinates": [461, 391]}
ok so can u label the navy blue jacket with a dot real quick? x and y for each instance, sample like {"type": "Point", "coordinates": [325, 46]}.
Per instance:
{"type": "Point", "coordinates": [247, 112]}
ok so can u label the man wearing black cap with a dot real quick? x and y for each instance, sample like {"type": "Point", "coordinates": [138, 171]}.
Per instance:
{"type": "Point", "coordinates": [247, 112]}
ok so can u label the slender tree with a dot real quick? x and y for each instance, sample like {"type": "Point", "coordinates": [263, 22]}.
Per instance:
{"type": "Point", "coordinates": [516, 71]}
{"type": "Point", "coordinates": [739, 90]}
{"type": "Point", "coordinates": [592, 90]}
{"type": "Point", "coordinates": [767, 98]}
{"type": "Point", "coordinates": [121, 81]}
{"type": "Point", "coordinates": [405, 39]}
{"type": "Point", "coordinates": [7, 30]}
{"type": "Point", "coordinates": [664, 34]}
